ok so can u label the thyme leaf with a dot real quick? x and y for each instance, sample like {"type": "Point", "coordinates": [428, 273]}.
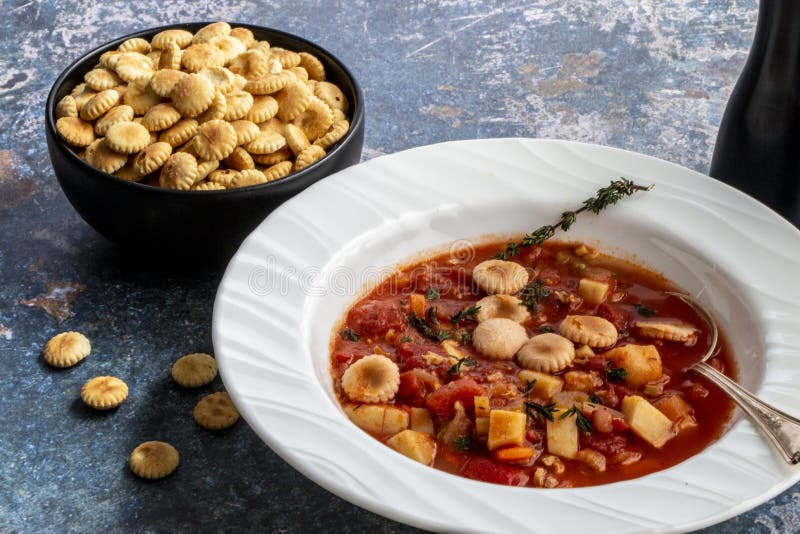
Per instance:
{"type": "Point", "coordinates": [533, 293]}
{"type": "Point", "coordinates": [582, 422]}
{"type": "Point", "coordinates": [540, 412]}
{"type": "Point", "coordinates": [456, 367]}
{"type": "Point", "coordinates": [432, 293]}
{"type": "Point", "coordinates": [643, 310]}
{"type": "Point", "coordinates": [467, 314]}
{"type": "Point", "coordinates": [427, 329]}
{"type": "Point", "coordinates": [462, 443]}
{"type": "Point", "coordinates": [615, 374]}
{"type": "Point", "coordinates": [349, 335]}
{"type": "Point", "coordinates": [605, 197]}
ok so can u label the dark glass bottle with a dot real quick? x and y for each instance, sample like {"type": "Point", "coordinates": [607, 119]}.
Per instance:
{"type": "Point", "coordinates": [758, 146]}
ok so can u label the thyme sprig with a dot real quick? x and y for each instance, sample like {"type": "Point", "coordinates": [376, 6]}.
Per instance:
{"type": "Point", "coordinates": [533, 293]}
{"type": "Point", "coordinates": [428, 329]}
{"type": "Point", "coordinates": [349, 334]}
{"type": "Point", "coordinates": [534, 410]}
{"type": "Point", "coordinates": [615, 374]}
{"type": "Point", "coordinates": [467, 314]}
{"type": "Point", "coordinates": [605, 197]}
{"type": "Point", "coordinates": [455, 369]}
{"type": "Point", "coordinates": [581, 421]}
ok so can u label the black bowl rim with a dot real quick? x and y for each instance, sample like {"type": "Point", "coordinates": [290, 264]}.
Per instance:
{"type": "Point", "coordinates": [276, 185]}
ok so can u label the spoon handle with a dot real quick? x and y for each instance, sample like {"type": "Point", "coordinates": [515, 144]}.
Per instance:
{"type": "Point", "coordinates": [782, 429]}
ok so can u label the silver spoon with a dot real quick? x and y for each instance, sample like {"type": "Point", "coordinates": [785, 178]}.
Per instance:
{"type": "Point", "coordinates": [782, 429]}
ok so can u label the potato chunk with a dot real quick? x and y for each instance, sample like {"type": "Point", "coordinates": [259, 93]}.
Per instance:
{"type": "Point", "coordinates": [544, 385]}
{"type": "Point", "coordinates": [482, 408]}
{"type": "Point", "coordinates": [562, 436]}
{"type": "Point", "coordinates": [592, 291]}
{"type": "Point", "coordinates": [506, 428]}
{"type": "Point", "coordinates": [646, 421]}
{"type": "Point", "coordinates": [418, 446]}
{"type": "Point", "coordinates": [421, 421]}
{"type": "Point", "coordinates": [642, 363]}
{"type": "Point", "coordinates": [678, 411]}
{"type": "Point", "coordinates": [377, 418]}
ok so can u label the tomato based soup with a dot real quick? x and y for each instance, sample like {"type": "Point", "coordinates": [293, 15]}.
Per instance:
{"type": "Point", "coordinates": [557, 367]}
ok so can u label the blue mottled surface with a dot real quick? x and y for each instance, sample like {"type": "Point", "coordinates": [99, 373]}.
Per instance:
{"type": "Point", "coordinates": [651, 76]}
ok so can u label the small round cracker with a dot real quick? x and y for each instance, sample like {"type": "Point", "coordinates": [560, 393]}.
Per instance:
{"type": "Point", "coordinates": [181, 132]}
{"type": "Point", "coordinates": [99, 104]}
{"type": "Point", "coordinates": [287, 58]}
{"type": "Point", "coordinates": [244, 35]}
{"type": "Point", "coordinates": [240, 159]}
{"type": "Point", "coordinates": [208, 32]}
{"type": "Point", "coordinates": [267, 84]}
{"type": "Point", "coordinates": [75, 131]}
{"type": "Point", "coordinates": [310, 155]}
{"type": "Point", "coordinates": [296, 138]}
{"type": "Point", "coordinates": [251, 64]}
{"type": "Point", "coordinates": [194, 370]}
{"type": "Point", "coordinates": [127, 137]}
{"type": "Point", "coordinates": [264, 108]}
{"type": "Point", "coordinates": [249, 177]}
{"type": "Point", "coordinates": [151, 158]}
{"type": "Point", "coordinates": [178, 172]}
{"type": "Point", "coordinates": [216, 110]}
{"type": "Point", "coordinates": [134, 67]}
{"type": "Point", "coordinates": [104, 392]}
{"type": "Point", "coordinates": [204, 168]}
{"type": "Point", "coordinates": [192, 95]}
{"type": "Point", "coordinates": [312, 65]}
{"type": "Point", "coordinates": [160, 117]}
{"type": "Point", "coordinates": [116, 114]}
{"type": "Point", "coordinates": [128, 173]}
{"type": "Point", "coordinates": [215, 140]}
{"type": "Point", "coordinates": [154, 459]}
{"type": "Point", "coordinates": [238, 105]}
{"type": "Point", "coordinates": [293, 100]}
{"type": "Point", "coordinates": [266, 142]}
{"type": "Point", "coordinates": [66, 349]}
{"type": "Point", "coordinates": [171, 57]}
{"type": "Point", "coordinates": [200, 56]}
{"type": "Point", "coordinates": [229, 46]}
{"type": "Point", "coordinates": [101, 79]}
{"type": "Point", "coordinates": [223, 177]}
{"type": "Point", "coordinates": [164, 81]}
{"type": "Point", "coordinates": [216, 411]}
{"type": "Point", "coordinates": [66, 107]}
{"type": "Point", "coordinates": [300, 73]}
{"type": "Point", "coordinates": [315, 120]}
{"type": "Point", "coordinates": [283, 154]}
{"type": "Point", "coordinates": [279, 170]}
{"type": "Point", "coordinates": [220, 77]}
{"type": "Point", "coordinates": [334, 135]}
{"type": "Point", "coordinates": [246, 131]}
{"type": "Point", "coordinates": [140, 97]}
{"type": "Point", "coordinates": [332, 95]}
{"type": "Point", "coordinates": [135, 44]}
{"type": "Point", "coordinates": [208, 186]}
{"type": "Point", "coordinates": [100, 156]}
{"type": "Point", "coordinates": [182, 38]}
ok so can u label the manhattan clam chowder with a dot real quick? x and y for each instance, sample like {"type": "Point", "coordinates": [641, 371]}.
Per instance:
{"type": "Point", "coordinates": [557, 367]}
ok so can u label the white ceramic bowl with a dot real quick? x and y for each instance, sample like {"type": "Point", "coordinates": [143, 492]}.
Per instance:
{"type": "Point", "coordinates": [290, 283]}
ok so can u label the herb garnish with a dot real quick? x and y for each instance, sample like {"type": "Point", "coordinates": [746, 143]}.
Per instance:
{"type": "Point", "coordinates": [582, 422]}
{"type": "Point", "coordinates": [544, 329]}
{"type": "Point", "coordinates": [430, 314]}
{"type": "Point", "coordinates": [405, 339]}
{"type": "Point", "coordinates": [426, 329]}
{"type": "Point", "coordinates": [615, 374]}
{"type": "Point", "coordinates": [456, 367]}
{"type": "Point", "coordinates": [643, 310]}
{"type": "Point", "coordinates": [595, 399]}
{"type": "Point", "coordinates": [349, 334]}
{"type": "Point", "coordinates": [534, 410]}
{"type": "Point", "coordinates": [605, 197]}
{"type": "Point", "coordinates": [432, 293]}
{"type": "Point", "coordinates": [466, 338]}
{"type": "Point", "coordinates": [467, 314]}
{"type": "Point", "coordinates": [462, 443]}
{"type": "Point", "coordinates": [533, 293]}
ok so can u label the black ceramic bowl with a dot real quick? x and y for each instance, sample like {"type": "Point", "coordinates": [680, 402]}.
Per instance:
{"type": "Point", "coordinates": [194, 223]}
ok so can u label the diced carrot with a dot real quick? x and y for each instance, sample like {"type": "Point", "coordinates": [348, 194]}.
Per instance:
{"type": "Point", "coordinates": [417, 303]}
{"type": "Point", "coordinates": [513, 454]}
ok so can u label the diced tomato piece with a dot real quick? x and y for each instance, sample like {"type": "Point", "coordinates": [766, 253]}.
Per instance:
{"type": "Point", "coordinates": [531, 255]}
{"type": "Point", "coordinates": [409, 355]}
{"type": "Point", "coordinates": [412, 389]}
{"type": "Point", "coordinates": [596, 363]}
{"type": "Point", "coordinates": [620, 391]}
{"type": "Point", "coordinates": [441, 401]}
{"type": "Point", "coordinates": [619, 424]}
{"type": "Point", "coordinates": [342, 357]}
{"type": "Point", "coordinates": [486, 470]}
{"type": "Point", "coordinates": [615, 315]}
{"type": "Point", "coordinates": [605, 443]}
{"type": "Point", "coordinates": [376, 317]}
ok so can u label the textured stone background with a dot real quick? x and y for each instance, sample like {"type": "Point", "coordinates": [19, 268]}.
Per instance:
{"type": "Point", "coordinates": [651, 76]}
